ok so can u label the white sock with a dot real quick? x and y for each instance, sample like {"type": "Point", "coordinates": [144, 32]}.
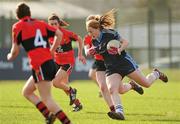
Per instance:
{"type": "Point", "coordinates": [152, 76]}
{"type": "Point", "coordinates": [119, 108]}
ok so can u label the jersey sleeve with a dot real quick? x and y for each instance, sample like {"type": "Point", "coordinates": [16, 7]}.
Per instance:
{"type": "Point", "coordinates": [50, 30]}
{"type": "Point", "coordinates": [16, 38]}
{"type": "Point", "coordinates": [117, 36]}
{"type": "Point", "coordinates": [87, 40]}
{"type": "Point", "coordinates": [73, 36]}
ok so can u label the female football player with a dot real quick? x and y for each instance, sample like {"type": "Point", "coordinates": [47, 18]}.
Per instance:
{"type": "Point", "coordinates": [65, 59]}
{"type": "Point", "coordinates": [118, 63]}
{"type": "Point", "coordinates": [100, 70]}
{"type": "Point", "coordinates": [33, 34]}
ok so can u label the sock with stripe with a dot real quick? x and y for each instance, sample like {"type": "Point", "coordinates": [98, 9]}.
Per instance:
{"type": "Point", "coordinates": [62, 117]}
{"type": "Point", "coordinates": [43, 109]}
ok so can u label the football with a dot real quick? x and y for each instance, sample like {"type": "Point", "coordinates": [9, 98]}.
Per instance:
{"type": "Point", "coordinates": [113, 44]}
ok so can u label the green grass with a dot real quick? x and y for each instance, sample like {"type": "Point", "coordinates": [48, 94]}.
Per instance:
{"type": "Point", "coordinates": [159, 105]}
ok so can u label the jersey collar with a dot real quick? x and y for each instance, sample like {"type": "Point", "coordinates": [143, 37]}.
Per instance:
{"type": "Point", "coordinates": [25, 18]}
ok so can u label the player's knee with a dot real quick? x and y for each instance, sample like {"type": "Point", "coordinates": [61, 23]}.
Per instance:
{"type": "Point", "coordinates": [146, 84]}
{"type": "Point", "coordinates": [56, 83]}
{"type": "Point", "coordinates": [111, 90]}
{"type": "Point", "coordinates": [121, 91]}
{"type": "Point", "coordinates": [103, 88]}
{"type": "Point", "coordinates": [25, 93]}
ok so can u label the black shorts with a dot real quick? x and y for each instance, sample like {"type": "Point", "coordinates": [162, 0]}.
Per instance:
{"type": "Point", "coordinates": [99, 65]}
{"type": "Point", "coordinates": [46, 71]}
{"type": "Point", "coordinates": [66, 67]}
{"type": "Point", "coordinates": [123, 66]}
{"type": "Point", "coordinates": [94, 65]}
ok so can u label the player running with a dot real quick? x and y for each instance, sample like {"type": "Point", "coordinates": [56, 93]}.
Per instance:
{"type": "Point", "coordinates": [33, 34]}
{"type": "Point", "coordinates": [65, 59]}
{"type": "Point", "coordinates": [118, 63]}
{"type": "Point", "coordinates": [100, 70]}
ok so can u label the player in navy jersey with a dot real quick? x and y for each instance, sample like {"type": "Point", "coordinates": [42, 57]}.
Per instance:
{"type": "Point", "coordinates": [118, 63]}
{"type": "Point", "coordinates": [33, 34]}
{"type": "Point", "coordinates": [100, 70]}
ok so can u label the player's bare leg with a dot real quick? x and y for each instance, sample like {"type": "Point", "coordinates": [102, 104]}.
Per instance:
{"type": "Point", "coordinates": [44, 88]}
{"type": "Point", "coordinates": [132, 85]}
{"type": "Point", "coordinates": [146, 81]}
{"type": "Point", "coordinates": [104, 89]}
{"type": "Point", "coordinates": [60, 81]}
{"type": "Point", "coordinates": [92, 76]}
{"type": "Point", "coordinates": [28, 93]}
{"type": "Point", "coordinates": [114, 82]}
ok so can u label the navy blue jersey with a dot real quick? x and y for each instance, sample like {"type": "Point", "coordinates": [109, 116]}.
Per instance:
{"type": "Point", "coordinates": [122, 64]}
{"type": "Point", "coordinates": [101, 42]}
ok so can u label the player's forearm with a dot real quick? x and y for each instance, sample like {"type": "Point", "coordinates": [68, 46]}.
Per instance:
{"type": "Point", "coordinates": [12, 55]}
{"type": "Point", "coordinates": [80, 46]}
{"type": "Point", "coordinates": [57, 40]}
{"type": "Point", "coordinates": [124, 44]}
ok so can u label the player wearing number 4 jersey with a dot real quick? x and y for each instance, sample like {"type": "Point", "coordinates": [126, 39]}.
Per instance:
{"type": "Point", "coordinates": [33, 35]}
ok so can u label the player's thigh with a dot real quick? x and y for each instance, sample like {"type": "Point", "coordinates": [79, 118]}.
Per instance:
{"type": "Point", "coordinates": [29, 86]}
{"type": "Point", "coordinates": [61, 74]}
{"type": "Point", "coordinates": [138, 77]}
{"type": "Point", "coordinates": [92, 72]}
{"type": "Point", "coordinates": [44, 88]}
{"type": "Point", "coordinates": [114, 81]}
{"type": "Point", "coordinates": [101, 77]}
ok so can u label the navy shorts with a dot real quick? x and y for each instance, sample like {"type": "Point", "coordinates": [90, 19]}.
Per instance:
{"type": "Point", "coordinates": [46, 71]}
{"type": "Point", "coordinates": [99, 65]}
{"type": "Point", "coordinates": [123, 66]}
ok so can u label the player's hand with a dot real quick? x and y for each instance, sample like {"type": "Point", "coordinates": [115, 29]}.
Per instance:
{"type": "Point", "coordinates": [9, 56]}
{"type": "Point", "coordinates": [91, 51]}
{"type": "Point", "coordinates": [82, 59]}
{"type": "Point", "coordinates": [119, 50]}
{"type": "Point", "coordinates": [113, 51]}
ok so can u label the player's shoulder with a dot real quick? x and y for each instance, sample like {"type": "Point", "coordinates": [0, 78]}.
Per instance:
{"type": "Point", "coordinates": [66, 31]}
{"type": "Point", "coordinates": [40, 21]}
{"type": "Point", "coordinates": [17, 25]}
{"type": "Point", "coordinates": [109, 31]}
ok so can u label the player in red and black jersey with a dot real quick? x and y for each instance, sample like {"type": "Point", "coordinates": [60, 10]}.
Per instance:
{"type": "Point", "coordinates": [33, 34]}
{"type": "Point", "coordinates": [65, 59]}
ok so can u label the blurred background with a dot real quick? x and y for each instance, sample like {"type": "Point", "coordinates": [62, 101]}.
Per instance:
{"type": "Point", "coordinates": [151, 26]}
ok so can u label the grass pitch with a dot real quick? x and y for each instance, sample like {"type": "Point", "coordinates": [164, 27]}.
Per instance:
{"type": "Point", "coordinates": [160, 104]}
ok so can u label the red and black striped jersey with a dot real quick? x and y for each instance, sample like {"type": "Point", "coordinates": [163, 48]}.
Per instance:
{"type": "Point", "coordinates": [33, 35]}
{"type": "Point", "coordinates": [64, 53]}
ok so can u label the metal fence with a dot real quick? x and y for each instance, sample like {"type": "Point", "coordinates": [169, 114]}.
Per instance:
{"type": "Point", "coordinates": [152, 42]}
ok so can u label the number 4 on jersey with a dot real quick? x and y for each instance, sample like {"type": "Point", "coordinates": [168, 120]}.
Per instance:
{"type": "Point", "coordinates": [39, 41]}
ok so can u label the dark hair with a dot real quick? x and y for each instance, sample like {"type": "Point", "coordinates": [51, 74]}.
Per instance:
{"type": "Point", "coordinates": [54, 17]}
{"type": "Point", "coordinates": [22, 10]}
{"type": "Point", "coordinates": [61, 22]}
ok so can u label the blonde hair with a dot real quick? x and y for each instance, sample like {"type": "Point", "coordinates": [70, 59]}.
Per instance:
{"type": "Point", "coordinates": [107, 20]}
